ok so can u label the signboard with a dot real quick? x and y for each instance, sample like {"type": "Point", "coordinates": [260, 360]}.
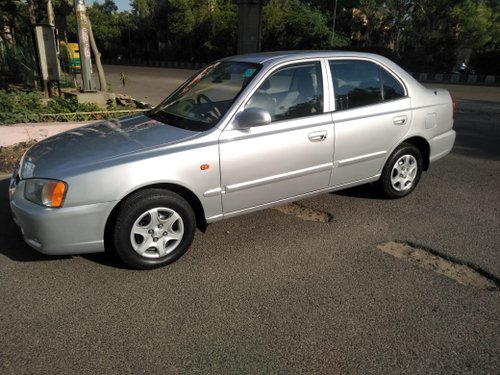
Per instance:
{"type": "Point", "coordinates": [46, 45]}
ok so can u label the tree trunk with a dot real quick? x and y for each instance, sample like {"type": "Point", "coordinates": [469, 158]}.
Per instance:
{"type": "Point", "coordinates": [31, 11]}
{"type": "Point", "coordinates": [100, 71]}
{"type": "Point", "coordinates": [50, 14]}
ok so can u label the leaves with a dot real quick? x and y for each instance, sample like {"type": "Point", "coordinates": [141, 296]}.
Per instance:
{"type": "Point", "coordinates": [20, 106]}
{"type": "Point", "coordinates": [291, 24]}
{"type": "Point", "coordinates": [423, 35]}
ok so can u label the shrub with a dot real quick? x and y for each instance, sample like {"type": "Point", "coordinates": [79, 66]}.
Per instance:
{"type": "Point", "coordinates": [20, 101]}
{"type": "Point", "coordinates": [69, 105]}
{"type": "Point", "coordinates": [20, 106]}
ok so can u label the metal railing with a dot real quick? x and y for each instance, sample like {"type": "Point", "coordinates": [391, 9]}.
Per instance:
{"type": "Point", "coordinates": [88, 116]}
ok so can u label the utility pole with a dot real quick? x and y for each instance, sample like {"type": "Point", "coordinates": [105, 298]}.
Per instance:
{"type": "Point", "coordinates": [334, 19]}
{"type": "Point", "coordinates": [249, 25]}
{"type": "Point", "coordinates": [82, 24]}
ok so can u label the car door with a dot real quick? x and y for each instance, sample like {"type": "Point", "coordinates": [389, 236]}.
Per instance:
{"type": "Point", "coordinates": [372, 114]}
{"type": "Point", "coordinates": [290, 156]}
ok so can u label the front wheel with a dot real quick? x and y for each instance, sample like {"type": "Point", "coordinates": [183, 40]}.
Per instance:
{"type": "Point", "coordinates": [153, 228]}
{"type": "Point", "coordinates": [402, 171]}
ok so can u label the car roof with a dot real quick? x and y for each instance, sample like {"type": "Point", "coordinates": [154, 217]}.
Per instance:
{"type": "Point", "coordinates": [277, 57]}
{"type": "Point", "coordinates": [285, 56]}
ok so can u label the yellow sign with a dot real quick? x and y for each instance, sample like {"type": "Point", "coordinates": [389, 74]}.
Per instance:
{"type": "Point", "coordinates": [70, 52]}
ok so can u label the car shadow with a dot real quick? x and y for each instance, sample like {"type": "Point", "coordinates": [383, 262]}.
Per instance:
{"type": "Point", "coordinates": [367, 191]}
{"type": "Point", "coordinates": [13, 246]}
{"type": "Point", "coordinates": [108, 259]}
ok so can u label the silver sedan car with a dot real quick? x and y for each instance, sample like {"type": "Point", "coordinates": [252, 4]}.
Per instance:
{"type": "Point", "coordinates": [243, 134]}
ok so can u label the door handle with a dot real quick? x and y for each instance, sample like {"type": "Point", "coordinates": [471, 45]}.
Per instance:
{"type": "Point", "coordinates": [400, 120]}
{"type": "Point", "coordinates": [318, 136]}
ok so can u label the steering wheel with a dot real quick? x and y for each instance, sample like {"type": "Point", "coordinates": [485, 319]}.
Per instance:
{"type": "Point", "coordinates": [214, 111]}
{"type": "Point", "coordinates": [190, 103]}
{"type": "Point", "coordinates": [201, 97]}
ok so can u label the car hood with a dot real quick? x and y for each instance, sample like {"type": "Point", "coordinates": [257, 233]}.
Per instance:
{"type": "Point", "coordinates": [99, 142]}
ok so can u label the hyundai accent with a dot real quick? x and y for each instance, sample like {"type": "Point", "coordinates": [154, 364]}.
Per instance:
{"type": "Point", "coordinates": [242, 134]}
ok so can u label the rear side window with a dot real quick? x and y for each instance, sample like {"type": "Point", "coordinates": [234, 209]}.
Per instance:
{"type": "Point", "coordinates": [392, 89]}
{"type": "Point", "coordinates": [361, 83]}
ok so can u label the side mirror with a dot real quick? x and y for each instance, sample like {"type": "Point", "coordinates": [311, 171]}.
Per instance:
{"type": "Point", "coordinates": [251, 117]}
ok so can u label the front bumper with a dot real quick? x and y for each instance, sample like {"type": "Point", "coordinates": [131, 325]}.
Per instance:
{"type": "Point", "coordinates": [60, 231]}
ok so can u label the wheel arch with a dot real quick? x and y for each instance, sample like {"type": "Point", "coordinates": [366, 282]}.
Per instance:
{"type": "Point", "coordinates": [185, 193]}
{"type": "Point", "coordinates": [424, 148]}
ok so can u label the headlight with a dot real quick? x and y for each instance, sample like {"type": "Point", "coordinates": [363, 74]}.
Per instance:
{"type": "Point", "coordinates": [48, 193]}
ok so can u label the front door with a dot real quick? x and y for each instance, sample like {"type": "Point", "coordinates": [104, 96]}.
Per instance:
{"type": "Point", "coordinates": [292, 155]}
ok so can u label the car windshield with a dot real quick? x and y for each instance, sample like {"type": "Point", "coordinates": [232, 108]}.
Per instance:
{"type": "Point", "coordinates": [203, 100]}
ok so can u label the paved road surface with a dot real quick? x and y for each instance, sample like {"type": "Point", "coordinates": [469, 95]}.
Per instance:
{"type": "Point", "coordinates": [150, 85]}
{"type": "Point", "coordinates": [272, 293]}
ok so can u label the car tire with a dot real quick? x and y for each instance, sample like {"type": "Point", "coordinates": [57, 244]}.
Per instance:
{"type": "Point", "coordinates": [401, 172]}
{"type": "Point", "coordinates": [153, 228]}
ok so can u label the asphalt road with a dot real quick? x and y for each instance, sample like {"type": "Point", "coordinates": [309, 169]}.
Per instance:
{"type": "Point", "coordinates": [270, 293]}
{"type": "Point", "coordinates": [148, 84]}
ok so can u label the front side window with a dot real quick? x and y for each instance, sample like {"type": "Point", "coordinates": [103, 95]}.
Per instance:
{"type": "Point", "coordinates": [203, 100]}
{"type": "Point", "coordinates": [360, 83]}
{"type": "Point", "coordinates": [291, 92]}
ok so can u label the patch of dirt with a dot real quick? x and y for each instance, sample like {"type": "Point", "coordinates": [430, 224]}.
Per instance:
{"type": "Point", "coordinates": [304, 213]}
{"type": "Point", "coordinates": [9, 155]}
{"type": "Point", "coordinates": [429, 259]}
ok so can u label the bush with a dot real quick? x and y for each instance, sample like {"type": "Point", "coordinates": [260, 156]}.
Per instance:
{"type": "Point", "coordinates": [20, 106]}
{"type": "Point", "coordinates": [20, 101]}
{"type": "Point", "coordinates": [69, 105]}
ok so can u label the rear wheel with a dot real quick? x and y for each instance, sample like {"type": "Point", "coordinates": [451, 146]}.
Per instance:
{"type": "Point", "coordinates": [402, 171]}
{"type": "Point", "coordinates": [153, 228]}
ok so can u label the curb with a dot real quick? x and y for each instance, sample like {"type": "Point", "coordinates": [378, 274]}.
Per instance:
{"type": "Point", "coordinates": [458, 79]}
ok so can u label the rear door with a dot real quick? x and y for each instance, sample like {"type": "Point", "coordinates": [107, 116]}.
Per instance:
{"type": "Point", "coordinates": [372, 114]}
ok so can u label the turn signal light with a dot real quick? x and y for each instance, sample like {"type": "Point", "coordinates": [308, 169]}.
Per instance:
{"type": "Point", "coordinates": [56, 192]}
{"type": "Point", "coordinates": [48, 193]}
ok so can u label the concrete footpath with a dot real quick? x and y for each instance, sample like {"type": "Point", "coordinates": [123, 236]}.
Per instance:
{"type": "Point", "coordinates": [12, 134]}
{"type": "Point", "coordinates": [477, 97]}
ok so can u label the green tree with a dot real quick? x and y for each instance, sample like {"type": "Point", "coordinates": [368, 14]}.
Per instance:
{"type": "Point", "coordinates": [149, 35]}
{"type": "Point", "coordinates": [217, 33]}
{"type": "Point", "coordinates": [184, 29]}
{"type": "Point", "coordinates": [14, 22]}
{"type": "Point", "coordinates": [107, 27]}
{"type": "Point", "coordinates": [444, 32]}
{"type": "Point", "coordinates": [476, 25]}
{"type": "Point", "coordinates": [293, 24]}
{"type": "Point", "coordinates": [17, 53]}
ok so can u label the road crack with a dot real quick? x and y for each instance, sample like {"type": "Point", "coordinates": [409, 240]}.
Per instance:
{"type": "Point", "coordinates": [465, 274]}
{"type": "Point", "coordinates": [304, 213]}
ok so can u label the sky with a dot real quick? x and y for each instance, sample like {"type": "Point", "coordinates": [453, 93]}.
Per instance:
{"type": "Point", "coordinates": [121, 4]}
